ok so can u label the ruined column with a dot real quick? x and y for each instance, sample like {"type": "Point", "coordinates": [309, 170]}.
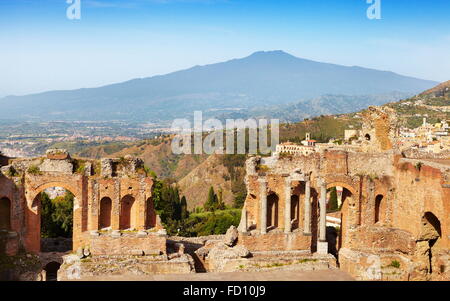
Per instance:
{"type": "Point", "coordinates": [115, 212]}
{"type": "Point", "coordinates": [322, 245]}
{"type": "Point", "coordinates": [263, 205]}
{"type": "Point", "coordinates": [287, 206]}
{"type": "Point", "coordinates": [243, 223]}
{"type": "Point", "coordinates": [307, 220]}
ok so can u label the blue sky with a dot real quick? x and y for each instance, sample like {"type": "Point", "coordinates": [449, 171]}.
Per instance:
{"type": "Point", "coordinates": [40, 49]}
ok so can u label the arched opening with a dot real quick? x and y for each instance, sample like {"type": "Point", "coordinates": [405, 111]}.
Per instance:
{"type": "Point", "coordinates": [55, 210]}
{"type": "Point", "coordinates": [295, 210]}
{"type": "Point", "coordinates": [51, 271]}
{"type": "Point", "coordinates": [272, 211]}
{"type": "Point", "coordinates": [5, 214]}
{"type": "Point", "coordinates": [339, 203]}
{"type": "Point", "coordinates": [378, 208]}
{"type": "Point", "coordinates": [104, 219]}
{"type": "Point", "coordinates": [367, 136]}
{"type": "Point", "coordinates": [127, 213]}
{"type": "Point", "coordinates": [150, 220]}
{"type": "Point", "coordinates": [430, 234]}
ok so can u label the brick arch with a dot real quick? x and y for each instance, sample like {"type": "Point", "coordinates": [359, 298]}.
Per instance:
{"type": "Point", "coordinates": [32, 235]}
{"type": "Point", "coordinates": [346, 211]}
{"type": "Point", "coordinates": [128, 212]}
{"type": "Point", "coordinates": [105, 213]}
{"type": "Point", "coordinates": [41, 187]}
{"type": "Point", "coordinates": [345, 185]}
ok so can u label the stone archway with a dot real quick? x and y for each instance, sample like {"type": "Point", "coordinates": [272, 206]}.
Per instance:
{"type": "Point", "coordinates": [379, 208]}
{"type": "Point", "coordinates": [426, 244]}
{"type": "Point", "coordinates": [104, 220]}
{"type": "Point", "coordinates": [33, 215]}
{"type": "Point", "coordinates": [51, 271]}
{"type": "Point", "coordinates": [346, 212]}
{"type": "Point", "coordinates": [128, 207]}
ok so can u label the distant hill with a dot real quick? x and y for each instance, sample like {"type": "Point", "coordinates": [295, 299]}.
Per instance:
{"type": "Point", "coordinates": [441, 90]}
{"type": "Point", "coordinates": [433, 104]}
{"type": "Point", "coordinates": [262, 79]}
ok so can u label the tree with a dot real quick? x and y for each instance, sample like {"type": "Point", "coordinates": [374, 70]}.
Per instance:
{"type": "Point", "coordinates": [212, 202]}
{"type": "Point", "coordinates": [63, 214]}
{"type": "Point", "coordinates": [47, 208]}
{"type": "Point", "coordinates": [220, 202]}
{"type": "Point", "coordinates": [184, 210]}
{"type": "Point", "coordinates": [57, 216]}
{"type": "Point", "coordinates": [333, 203]}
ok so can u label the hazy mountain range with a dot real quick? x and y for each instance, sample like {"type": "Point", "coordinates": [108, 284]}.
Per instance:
{"type": "Point", "coordinates": [264, 83]}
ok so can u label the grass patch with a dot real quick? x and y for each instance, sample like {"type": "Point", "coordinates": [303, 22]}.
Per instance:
{"type": "Point", "coordinates": [34, 170]}
{"type": "Point", "coordinates": [394, 264]}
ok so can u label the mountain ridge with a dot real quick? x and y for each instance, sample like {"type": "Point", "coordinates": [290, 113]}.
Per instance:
{"type": "Point", "coordinates": [261, 79]}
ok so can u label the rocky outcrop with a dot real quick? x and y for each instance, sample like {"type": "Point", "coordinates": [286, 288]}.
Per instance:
{"type": "Point", "coordinates": [231, 236]}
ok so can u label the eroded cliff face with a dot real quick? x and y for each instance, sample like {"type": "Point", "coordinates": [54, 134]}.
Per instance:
{"type": "Point", "coordinates": [211, 173]}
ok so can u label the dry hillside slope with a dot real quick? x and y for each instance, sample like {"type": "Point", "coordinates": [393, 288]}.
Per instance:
{"type": "Point", "coordinates": [195, 186]}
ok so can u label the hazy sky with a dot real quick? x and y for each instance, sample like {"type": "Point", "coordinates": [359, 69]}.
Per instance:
{"type": "Point", "coordinates": [41, 49]}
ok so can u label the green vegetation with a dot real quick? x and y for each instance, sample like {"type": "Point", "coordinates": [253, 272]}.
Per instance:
{"type": "Point", "coordinates": [439, 101]}
{"type": "Point", "coordinates": [34, 170]}
{"type": "Point", "coordinates": [79, 166]}
{"type": "Point", "coordinates": [56, 216]}
{"type": "Point", "coordinates": [212, 219]}
{"type": "Point", "coordinates": [12, 172]}
{"type": "Point", "coordinates": [235, 166]}
{"type": "Point", "coordinates": [171, 208]}
{"type": "Point", "coordinates": [333, 202]}
{"type": "Point", "coordinates": [214, 202]}
{"type": "Point", "coordinates": [211, 223]}
{"type": "Point", "coordinates": [419, 166]}
{"type": "Point", "coordinates": [411, 115]}
{"type": "Point", "coordinates": [394, 264]}
{"type": "Point", "coordinates": [322, 128]}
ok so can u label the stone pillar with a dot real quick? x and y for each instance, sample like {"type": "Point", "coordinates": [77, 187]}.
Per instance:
{"type": "Point", "coordinates": [142, 206]}
{"type": "Point", "coordinates": [115, 210]}
{"type": "Point", "coordinates": [307, 220]}
{"type": "Point", "coordinates": [322, 245]}
{"type": "Point", "coordinates": [243, 223]}
{"type": "Point", "coordinates": [287, 205]}
{"type": "Point", "coordinates": [263, 205]}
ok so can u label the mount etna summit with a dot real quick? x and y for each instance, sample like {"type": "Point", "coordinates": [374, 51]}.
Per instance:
{"type": "Point", "coordinates": [263, 79]}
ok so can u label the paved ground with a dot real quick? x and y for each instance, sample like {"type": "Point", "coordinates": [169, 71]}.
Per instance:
{"type": "Point", "coordinates": [321, 275]}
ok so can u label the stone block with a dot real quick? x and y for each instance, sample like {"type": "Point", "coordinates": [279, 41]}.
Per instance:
{"type": "Point", "coordinates": [322, 248]}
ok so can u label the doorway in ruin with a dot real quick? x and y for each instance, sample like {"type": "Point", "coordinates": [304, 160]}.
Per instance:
{"type": "Point", "coordinates": [428, 240]}
{"type": "Point", "coordinates": [295, 211]}
{"type": "Point", "coordinates": [51, 271]}
{"type": "Point", "coordinates": [128, 213]}
{"type": "Point", "coordinates": [104, 219]}
{"type": "Point", "coordinates": [272, 211]}
{"type": "Point", "coordinates": [150, 219]}
{"type": "Point", "coordinates": [5, 214]}
{"type": "Point", "coordinates": [379, 204]}
{"type": "Point", "coordinates": [339, 201]}
{"type": "Point", "coordinates": [55, 211]}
